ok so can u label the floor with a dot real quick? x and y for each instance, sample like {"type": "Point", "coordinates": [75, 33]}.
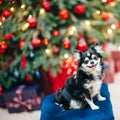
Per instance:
{"type": "Point", "coordinates": [114, 89]}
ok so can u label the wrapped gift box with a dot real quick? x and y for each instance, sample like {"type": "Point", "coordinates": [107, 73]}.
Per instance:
{"type": "Point", "coordinates": [2, 103]}
{"type": "Point", "coordinates": [116, 57]}
{"type": "Point", "coordinates": [109, 71]}
{"type": "Point", "coordinates": [23, 98]}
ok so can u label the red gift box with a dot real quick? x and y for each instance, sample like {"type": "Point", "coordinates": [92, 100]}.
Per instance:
{"type": "Point", "coordinates": [116, 57]}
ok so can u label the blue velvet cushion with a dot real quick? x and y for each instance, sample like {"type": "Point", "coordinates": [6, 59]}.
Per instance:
{"type": "Point", "coordinates": [51, 111]}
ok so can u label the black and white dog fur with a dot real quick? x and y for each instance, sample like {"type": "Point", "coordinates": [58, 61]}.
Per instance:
{"type": "Point", "coordinates": [81, 88]}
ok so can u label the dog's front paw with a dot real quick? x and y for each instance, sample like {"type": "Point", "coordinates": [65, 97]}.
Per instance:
{"type": "Point", "coordinates": [100, 98]}
{"type": "Point", "coordinates": [95, 107]}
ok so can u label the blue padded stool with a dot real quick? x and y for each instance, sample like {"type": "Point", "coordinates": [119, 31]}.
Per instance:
{"type": "Point", "coordinates": [51, 111]}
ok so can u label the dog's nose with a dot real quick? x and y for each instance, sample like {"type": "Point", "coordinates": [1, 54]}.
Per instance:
{"type": "Point", "coordinates": [92, 62]}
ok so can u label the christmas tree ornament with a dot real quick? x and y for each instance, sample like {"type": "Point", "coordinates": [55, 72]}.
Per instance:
{"type": "Point", "coordinates": [37, 74]}
{"type": "Point", "coordinates": [91, 40]}
{"type": "Point", "coordinates": [1, 2]}
{"type": "Point", "coordinates": [13, 9]}
{"type": "Point", "coordinates": [109, 1]}
{"type": "Point", "coordinates": [23, 61]}
{"type": "Point", "coordinates": [80, 36]}
{"type": "Point", "coordinates": [56, 50]}
{"type": "Point", "coordinates": [6, 66]}
{"type": "Point", "coordinates": [6, 13]}
{"type": "Point", "coordinates": [3, 47]}
{"type": "Point", "coordinates": [80, 9]}
{"type": "Point", "coordinates": [28, 78]}
{"type": "Point", "coordinates": [1, 66]}
{"type": "Point", "coordinates": [72, 30]}
{"type": "Point", "coordinates": [23, 6]}
{"type": "Point", "coordinates": [63, 14]}
{"type": "Point", "coordinates": [105, 16]}
{"type": "Point", "coordinates": [36, 42]}
{"type": "Point", "coordinates": [56, 33]}
{"type": "Point", "coordinates": [46, 41]}
{"type": "Point", "coordinates": [1, 90]}
{"type": "Point", "coordinates": [118, 24]}
{"type": "Point", "coordinates": [48, 51]}
{"type": "Point", "coordinates": [8, 36]}
{"type": "Point", "coordinates": [46, 5]}
{"type": "Point", "coordinates": [22, 43]}
{"type": "Point", "coordinates": [16, 73]}
{"type": "Point", "coordinates": [31, 55]}
{"type": "Point", "coordinates": [82, 46]}
{"type": "Point", "coordinates": [14, 40]}
{"type": "Point", "coordinates": [42, 12]}
{"type": "Point", "coordinates": [25, 26]}
{"type": "Point", "coordinates": [66, 43]}
{"type": "Point", "coordinates": [41, 28]}
{"type": "Point", "coordinates": [32, 22]}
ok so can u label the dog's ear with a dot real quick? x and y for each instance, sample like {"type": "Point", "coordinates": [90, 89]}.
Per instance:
{"type": "Point", "coordinates": [77, 54]}
{"type": "Point", "coordinates": [98, 48]}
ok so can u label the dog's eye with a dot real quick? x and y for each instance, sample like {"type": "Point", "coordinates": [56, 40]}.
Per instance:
{"type": "Point", "coordinates": [86, 61]}
{"type": "Point", "coordinates": [95, 57]}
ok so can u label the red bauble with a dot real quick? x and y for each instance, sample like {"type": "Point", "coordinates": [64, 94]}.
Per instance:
{"type": "Point", "coordinates": [109, 1]}
{"type": "Point", "coordinates": [118, 24]}
{"type": "Point", "coordinates": [36, 42]}
{"type": "Point", "coordinates": [46, 41]}
{"type": "Point", "coordinates": [105, 16]}
{"type": "Point", "coordinates": [66, 43]}
{"type": "Point", "coordinates": [3, 47]}
{"type": "Point", "coordinates": [80, 36]}
{"type": "Point", "coordinates": [63, 14]}
{"type": "Point", "coordinates": [1, 2]}
{"type": "Point", "coordinates": [56, 50]}
{"type": "Point", "coordinates": [22, 43]}
{"type": "Point", "coordinates": [28, 78]}
{"type": "Point", "coordinates": [92, 40]}
{"type": "Point", "coordinates": [56, 33]}
{"type": "Point", "coordinates": [46, 5]}
{"type": "Point", "coordinates": [6, 13]}
{"type": "Point", "coordinates": [23, 61]}
{"type": "Point", "coordinates": [1, 90]}
{"type": "Point", "coordinates": [41, 28]}
{"type": "Point", "coordinates": [32, 21]}
{"type": "Point", "coordinates": [80, 9]}
{"type": "Point", "coordinates": [8, 36]}
{"type": "Point", "coordinates": [82, 46]}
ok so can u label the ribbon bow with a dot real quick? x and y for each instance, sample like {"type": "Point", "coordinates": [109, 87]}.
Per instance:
{"type": "Point", "coordinates": [17, 100]}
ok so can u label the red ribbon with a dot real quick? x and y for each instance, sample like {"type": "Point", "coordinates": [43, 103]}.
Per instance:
{"type": "Point", "coordinates": [17, 100]}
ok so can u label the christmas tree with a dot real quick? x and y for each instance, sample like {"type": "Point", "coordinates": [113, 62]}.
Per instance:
{"type": "Point", "coordinates": [44, 33]}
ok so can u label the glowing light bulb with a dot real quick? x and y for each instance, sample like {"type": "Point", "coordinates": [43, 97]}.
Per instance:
{"type": "Point", "coordinates": [23, 6]}
{"type": "Point", "coordinates": [104, 1]}
{"type": "Point", "coordinates": [48, 51]}
{"type": "Point", "coordinates": [87, 22]}
{"type": "Point", "coordinates": [12, 9]}
{"type": "Point", "coordinates": [42, 12]}
{"type": "Point", "coordinates": [0, 23]}
{"type": "Point", "coordinates": [113, 26]}
{"type": "Point", "coordinates": [25, 26]}
{"type": "Point", "coordinates": [66, 55]}
{"type": "Point", "coordinates": [98, 12]}
{"type": "Point", "coordinates": [109, 31]}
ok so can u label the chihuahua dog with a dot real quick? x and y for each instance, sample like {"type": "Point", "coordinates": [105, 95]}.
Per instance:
{"type": "Point", "coordinates": [81, 88]}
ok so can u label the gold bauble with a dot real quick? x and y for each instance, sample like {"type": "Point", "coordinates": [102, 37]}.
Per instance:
{"type": "Point", "coordinates": [72, 31]}
{"type": "Point", "coordinates": [42, 12]}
